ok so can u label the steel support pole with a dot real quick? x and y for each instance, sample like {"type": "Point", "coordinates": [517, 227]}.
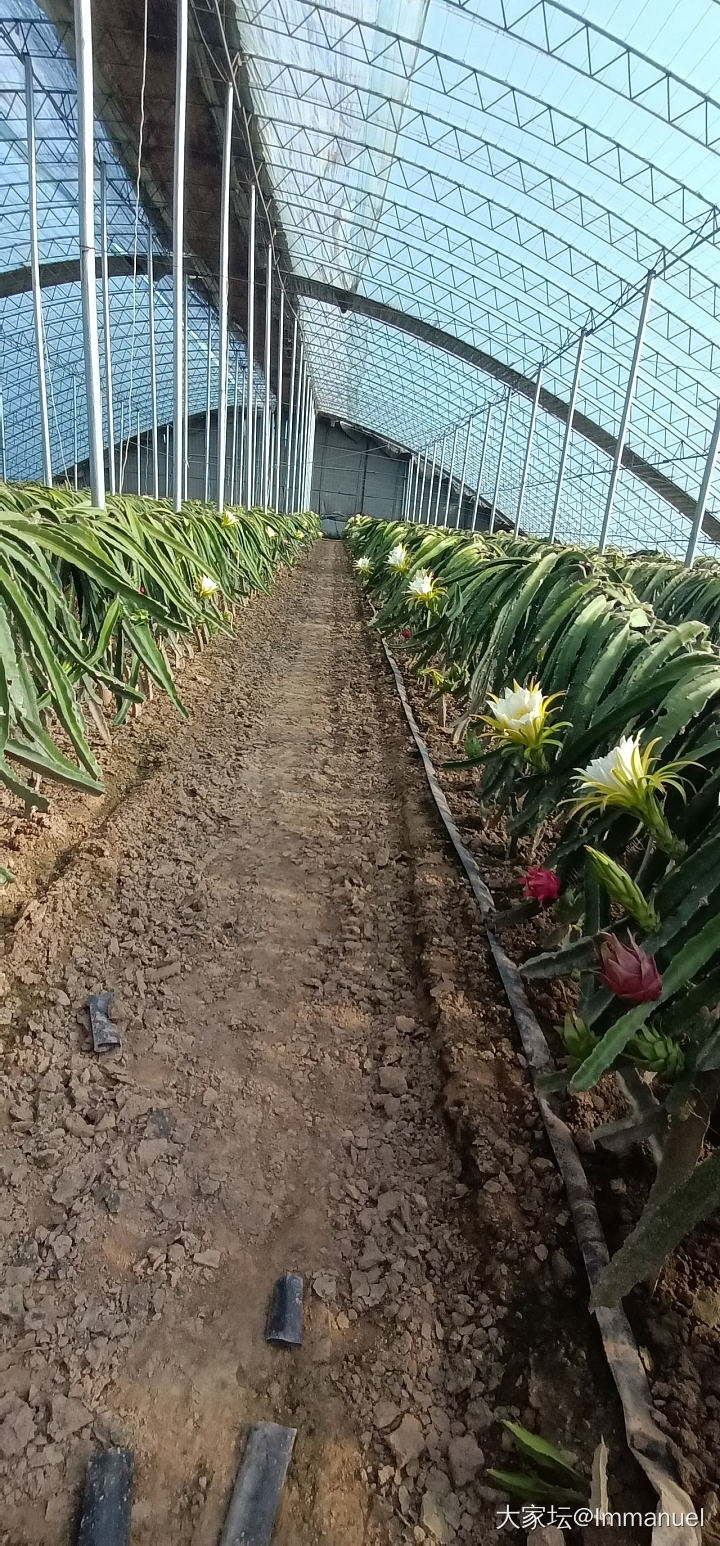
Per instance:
{"type": "Point", "coordinates": [501, 457]}
{"type": "Point", "coordinates": [35, 271]}
{"type": "Point", "coordinates": [481, 468]}
{"type": "Point", "coordinates": [120, 448]}
{"type": "Point", "coordinates": [223, 277]}
{"type": "Point", "coordinates": [450, 476]}
{"type": "Point", "coordinates": [266, 414]}
{"type": "Point", "coordinates": [463, 474]}
{"type": "Point", "coordinates": [153, 370]}
{"type": "Point", "coordinates": [407, 472]}
{"type": "Point", "coordinates": [178, 247]}
{"type": "Point", "coordinates": [308, 438]}
{"type": "Point", "coordinates": [251, 347]}
{"type": "Point", "coordinates": [707, 478]}
{"type": "Point", "coordinates": [186, 393]}
{"type": "Point", "coordinates": [296, 445]}
{"type": "Point", "coordinates": [627, 409]}
{"type": "Point", "coordinates": [291, 407]}
{"type": "Point", "coordinates": [415, 474]}
{"type": "Point", "coordinates": [167, 461]}
{"type": "Point", "coordinates": [420, 490]}
{"type": "Point", "coordinates": [233, 449]}
{"type": "Point", "coordinates": [241, 450]}
{"type": "Point", "coordinates": [302, 402]}
{"type": "Point", "coordinates": [278, 397]}
{"type": "Point", "coordinates": [75, 435]}
{"type": "Point", "coordinates": [311, 453]}
{"type": "Point", "coordinates": [528, 450]}
{"type": "Point", "coordinates": [86, 200]}
{"type": "Point", "coordinates": [440, 478]}
{"type": "Point", "coordinates": [567, 438]}
{"type": "Point", "coordinates": [107, 334]}
{"type": "Point", "coordinates": [410, 483]}
{"type": "Point", "coordinates": [304, 415]}
{"type": "Point", "coordinates": [416, 485]}
{"type": "Point", "coordinates": [137, 452]}
{"type": "Point", "coordinates": [432, 479]}
{"type": "Point", "coordinates": [206, 493]}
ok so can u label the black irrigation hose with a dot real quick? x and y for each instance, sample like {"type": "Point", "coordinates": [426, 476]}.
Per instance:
{"type": "Point", "coordinates": [107, 1500]}
{"type": "Point", "coordinates": [645, 1439]}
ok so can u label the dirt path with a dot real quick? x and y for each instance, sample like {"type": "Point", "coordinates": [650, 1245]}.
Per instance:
{"type": "Point", "coordinates": [277, 1106]}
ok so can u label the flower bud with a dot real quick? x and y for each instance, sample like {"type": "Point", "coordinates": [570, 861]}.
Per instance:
{"type": "Point", "coordinates": [622, 889]}
{"type": "Point", "coordinates": [578, 1039]}
{"type": "Point", "coordinates": [628, 971]}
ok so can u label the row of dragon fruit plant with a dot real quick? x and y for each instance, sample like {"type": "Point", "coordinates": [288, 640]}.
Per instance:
{"type": "Point", "coordinates": [592, 722]}
{"type": "Point", "coordinates": [94, 603]}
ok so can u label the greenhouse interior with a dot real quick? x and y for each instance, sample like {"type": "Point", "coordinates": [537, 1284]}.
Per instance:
{"type": "Point", "coordinates": [359, 773]}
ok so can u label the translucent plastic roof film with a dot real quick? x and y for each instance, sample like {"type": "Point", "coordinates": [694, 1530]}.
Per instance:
{"type": "Point", "coordinates": [25, 30]}
{"type": "Point", "coordinates": [507, 172]}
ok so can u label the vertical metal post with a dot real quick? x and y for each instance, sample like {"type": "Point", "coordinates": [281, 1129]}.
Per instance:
{"type": "Point", "coordinates": [440, 478]}
{"type": "Point", "coordinates": [234, 434]}
{"type": "Point", "coordinates": [308, 437]}
{"type": "Point", "coordinates": [528, 450]}
{"type": "Point", "coordinates": [186, 394]}
{"type": "Point", "coordinates": [450, 475]}
{"type": "Point", "coordinates": [107, 336]}
{"type": "Point", "coordinates": [481, 468]}
{"type": "Point", "coordinates": [120, 449]}
{"type": "Point", "coordinates": [241, 452]}
{"type": "Point", "coordinates": [167, 461]}
{"type": "Point", "coordinates": [86, 201]}
{"type": "Point", "coordinates": [138, 448]}
{"type": "Point", "coordinates": [251, 345]}
{"type": "Point", "coordinates": [567, 438]}
{"type": "Point", "coordinates": [407, 471]}
{"type": "Point", "coordinates": [35, 271]}
{"type": "Point", "coordinates": [223, 288]}
{"type": "Point", "coordinates": [701, 506]}
{"type": "Point", "coordinates": [75, 435]}
{"type": "Point", "coordinates": [206, 494]}
{"type": "Point", "coordinates": [463, 474]}
{"type": "Point", "coordinates": [420, 489]}
{"type": "Point", "coordinates": [266, 415]}
{"type": "Point", "coordinates": [432, 476]}
{"type": "Point", "coordinates": [413, 488]}
{"type": "Point", "coordinates": [501, 455]}
{"type": "Point", "coordinates": [179, 245]}
{"type": "Point", "coordinates": [3, 442]}
{"type": "Point", "coordinates": [298, 411]}
{"type": "Point", "coordinates": [278, 398]}
{"type": "Point", "coordinates": [153, 369]}
{"type": "Point", "coordinates": [302, 439]}
{"type": "Point", "coordinates": [627, 408]}
{"type": "Point", "coordinates": [291, 408]}
{"type": "Point", "coordinates": [310, 454]}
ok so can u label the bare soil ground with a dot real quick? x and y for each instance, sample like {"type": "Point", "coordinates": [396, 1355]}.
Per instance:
{"type": "Point", "coordinates": [315, 1076]}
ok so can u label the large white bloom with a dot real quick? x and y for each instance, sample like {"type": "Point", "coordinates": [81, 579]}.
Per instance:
{"type": "Point", "coordinates": [519, 709]}
{"type": "Point", "coordinates": [421, 584]}
{"type": "Point", "coordinates": [271, 531]}
{"type": "Point", "coordinates": [363, 564]}
{"type": "Point", "coordinates": [617, 769]}
{"type": "Point", "coordinates": [398, 557]}
{"type": "Point", "coordinates": [205, 585]}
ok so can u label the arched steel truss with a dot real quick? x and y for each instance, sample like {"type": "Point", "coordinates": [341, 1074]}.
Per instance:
{"type": "Point", "coordinates": [499, 178]}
